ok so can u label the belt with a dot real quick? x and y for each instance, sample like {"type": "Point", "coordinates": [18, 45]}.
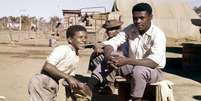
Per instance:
{"type": "Point", "coordinates": [47, 74]}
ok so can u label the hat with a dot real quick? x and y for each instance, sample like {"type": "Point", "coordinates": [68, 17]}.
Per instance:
{"type": "Point", "coordinates": [112, 23]}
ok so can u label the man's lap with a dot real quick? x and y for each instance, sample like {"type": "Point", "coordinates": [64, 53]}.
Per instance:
{"type": "Point", "coordinates": [151, 75]}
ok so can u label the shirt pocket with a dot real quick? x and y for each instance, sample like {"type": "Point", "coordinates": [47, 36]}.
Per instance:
{"type": "Point", "coordinates": [147, 45]}
{"type": "Point", "coordinates": [147, 48]}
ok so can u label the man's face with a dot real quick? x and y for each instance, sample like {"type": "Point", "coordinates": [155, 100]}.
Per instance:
{"type": "Point", "coordinates": [142, 20]}
{"type": "Point", "coordinates": [111, 32]}
{"type": "Point", "coordinates": [79, 39]}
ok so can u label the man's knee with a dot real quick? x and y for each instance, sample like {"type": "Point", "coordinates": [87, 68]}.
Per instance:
{"type": "Point", "coordinates": [126, 69]}
{"type": "Point", "coordinates": [35, 82]}
{"type": "Point", "coordinates": [139, 72]}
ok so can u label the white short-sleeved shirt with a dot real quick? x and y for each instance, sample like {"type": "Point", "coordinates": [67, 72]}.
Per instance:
{"type": "Point", "coordinates": [152, 44]}
{"type": "Point", "coordinates": [64, 58]}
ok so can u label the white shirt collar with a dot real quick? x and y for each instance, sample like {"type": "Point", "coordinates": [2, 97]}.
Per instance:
{"type": "Point", "coordinates": [150, 30]}
{"type": "Point", "coordinates": [73, 49]}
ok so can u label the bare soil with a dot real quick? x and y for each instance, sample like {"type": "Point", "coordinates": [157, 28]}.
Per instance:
{"type": "Point", "coordinates": [20, 62]}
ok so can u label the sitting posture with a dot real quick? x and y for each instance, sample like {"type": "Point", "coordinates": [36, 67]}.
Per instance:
{"type": "Point", "coordinates": [102, 73]}
{"type": "Point", "coordinates": [60, 64]}
{"type": "Point", "coordinates": [146, 57]}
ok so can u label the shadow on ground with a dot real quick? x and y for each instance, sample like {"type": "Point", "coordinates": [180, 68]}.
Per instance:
{"type": "Point", "coordinates": [174, 66]}
{"type": "Point", "coordinates": [174, 49]}
{"type": "Point", "coordinates": [197, 97]}
{"type": "Point", "coordinates": [97, 96]}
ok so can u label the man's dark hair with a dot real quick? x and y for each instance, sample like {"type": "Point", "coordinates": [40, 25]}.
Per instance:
{"type": "Point", "coordinates": [142, 7]}
{"type": "Point", "coordinates": [72, 29]}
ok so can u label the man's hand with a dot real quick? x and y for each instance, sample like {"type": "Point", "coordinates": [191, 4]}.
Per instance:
{"type": "Point", "coordinates": [120, 60]}
{"type": "Point", "coordinates": [73, 83]}
{"type": "Point", "coordinates": [117, 60]}
{"type": "Point", "coordinates": [82, 88]}
{"type": "Point", "coordinates": [85, 89]}
{"type": "Point", "coordinates": [98, 47]}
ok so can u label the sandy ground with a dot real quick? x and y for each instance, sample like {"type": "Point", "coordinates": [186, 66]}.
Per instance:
{"type": "Point", "coordinates": [19, 63]}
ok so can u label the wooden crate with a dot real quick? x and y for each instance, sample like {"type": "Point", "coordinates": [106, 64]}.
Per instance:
{"type": "Point", "coordinates": [152, 91]}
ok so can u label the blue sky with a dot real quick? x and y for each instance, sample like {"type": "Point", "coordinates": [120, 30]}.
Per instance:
{"type": "Point", "coordinates": [46, 8]}
{"type": "Point", "coordinates": [195, 2]}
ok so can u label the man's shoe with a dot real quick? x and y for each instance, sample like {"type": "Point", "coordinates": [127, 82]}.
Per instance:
{"type": "Point", "coordinates": [110, 88]}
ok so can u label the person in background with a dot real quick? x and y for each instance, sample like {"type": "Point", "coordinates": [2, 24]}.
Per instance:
{"type": "Point", "coordinates": [112, 29]}
{"type": "Point", "coordinates": [60, 64]}
{"type": "Point", "coordinates": [103, 75]}
{"type": "Point", "coordinates": [53, 40]}
{"type": "Point", "coordinates": [147, 47]}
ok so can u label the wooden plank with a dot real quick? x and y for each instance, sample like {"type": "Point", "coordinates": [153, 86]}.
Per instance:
{"type": "Point", "coordinates": [124, 90]}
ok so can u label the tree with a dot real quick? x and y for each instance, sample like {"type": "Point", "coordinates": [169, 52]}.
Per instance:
{"type": "Point", "coordinates": [197, 10]}
{"type": "Point", "coordinates": [26, 22]}
{"type": "Point", "coordinates": [53, 21]}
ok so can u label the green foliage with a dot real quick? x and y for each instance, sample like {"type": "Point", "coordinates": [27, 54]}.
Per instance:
{"type": "Point", "coordinates": [53, 21]}
{"type": "Point", "coordinates": [26, 22]}
{"type": "Point", "coordinates": [197, 10]}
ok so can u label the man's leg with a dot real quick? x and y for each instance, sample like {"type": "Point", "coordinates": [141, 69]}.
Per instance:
{"type": "Point", "coordinates": [95, 60]}
{"type": "Point", "coordinates": [140, 76]}
{"type": "Point", "coordinates": [105, 76]}
{"type": "Point", "coordinates": [42, 88]}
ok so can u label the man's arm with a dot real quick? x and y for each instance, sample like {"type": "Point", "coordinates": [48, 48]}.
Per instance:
{"type": "Point", "coordinates": [55, 73]}
{"type": "Point", "coordinates": [116, 41]}
{"type": "Point", "coordinates": [107, 51]}
{"type": "Point", "coordinates": [143, 62]}
{"type": "Point", "coordinates": [119, 61]}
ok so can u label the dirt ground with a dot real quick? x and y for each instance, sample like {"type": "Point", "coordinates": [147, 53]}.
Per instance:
{"type": "Point", "coordinates": [19, 63]}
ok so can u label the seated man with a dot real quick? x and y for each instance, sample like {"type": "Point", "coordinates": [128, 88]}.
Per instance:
{"type": "Point", "coordinates": [112, 28]}
{"type": "Point", "coordinates": [60, 64]}
{"type": "Point", "coordinates": [147, 45]}
{"type": "Point", "coordinates": [104, 74]}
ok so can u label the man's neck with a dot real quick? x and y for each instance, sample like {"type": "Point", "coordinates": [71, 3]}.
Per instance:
{"type": "Point", "coordinates": [144, 31]}
{"type": "Point", "coordinates": [74, 49]}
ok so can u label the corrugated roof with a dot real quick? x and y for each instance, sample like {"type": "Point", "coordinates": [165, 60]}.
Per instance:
{"type": "Point", "coordinates": [71, 11]}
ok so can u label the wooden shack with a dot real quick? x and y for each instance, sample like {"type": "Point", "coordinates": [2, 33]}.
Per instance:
{"type": "Point", "coordinates": [93, 21]}
{"type": "Point", "coordinates": [71, 17]}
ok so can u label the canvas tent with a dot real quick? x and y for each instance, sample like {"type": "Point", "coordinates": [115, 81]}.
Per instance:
{"type": "Point", "coordinates": [172, 16]}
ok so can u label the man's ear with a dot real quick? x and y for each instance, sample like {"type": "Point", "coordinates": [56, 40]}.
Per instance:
{"type": "Point", "coordinates": [151, 16]}
{"type": "Point", "coordinates": [69, 40]}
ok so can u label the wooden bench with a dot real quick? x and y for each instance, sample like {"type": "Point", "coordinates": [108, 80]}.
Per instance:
{"type": "Point", "coordinates": [152, 91]}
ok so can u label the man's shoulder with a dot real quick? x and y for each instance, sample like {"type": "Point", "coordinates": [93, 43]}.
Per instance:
{"type": "Point", "coordinates": [130, 28]}
{"type": "Point", "coordinates": [63, 48]}
{"type": "Point", "coordinates": [131, 31]}
{"type": "Point", "coordinates": [157, 29]}
{"type": "Point", "coordinates": [157, 32]}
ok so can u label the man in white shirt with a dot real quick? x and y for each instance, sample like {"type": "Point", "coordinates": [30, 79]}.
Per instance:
{"type": "Point", "coordinates": [147, 46]}
{"type": "Point", "coordinates": [60, 64]}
